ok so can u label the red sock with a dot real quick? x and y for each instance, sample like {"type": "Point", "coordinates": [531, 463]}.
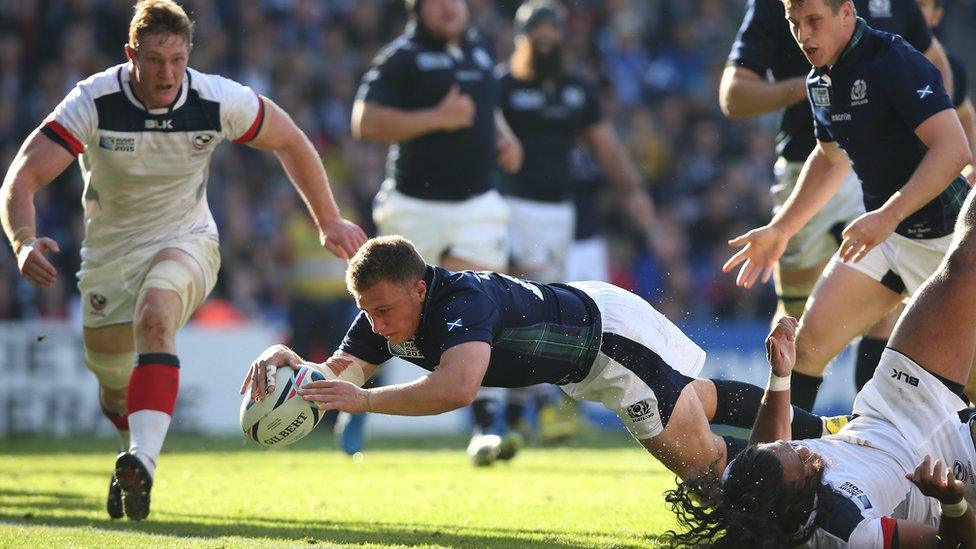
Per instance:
{"type": "Point", "coordinates": [121, 421]}
{"type": "Point", "coordinates": [154, 384]}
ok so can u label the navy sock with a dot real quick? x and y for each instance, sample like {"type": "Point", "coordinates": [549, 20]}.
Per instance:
{"type": "Point", "coordinates": [736, 403]}
{"type": "Point", "coordinates": [803, 390]}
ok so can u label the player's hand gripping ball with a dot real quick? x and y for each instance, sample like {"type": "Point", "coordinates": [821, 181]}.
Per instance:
{"type": "Point", "coordinates": [283, 416]}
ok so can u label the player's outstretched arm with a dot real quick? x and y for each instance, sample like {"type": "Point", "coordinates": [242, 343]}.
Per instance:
{"type": "Point", "coordinates": [301, 162]}
{"type": "Point", "coordinates": [822, 174]}
{"type": "Point", "coordinates": [261, 375]}
{"type": "Point", "coordinates": [372, 121]}
{"type": "Point", "coordinates": [452, 385]}
{"type": "Point", "coordinates": [948, 153]}
{"type": "Point", "coordinates": [37, 163]}
{"type": "Point", "coordinates": [744, 94]}
{"type": "Point", "coordinates": [773, 422]}
{"type": "Point", "coordinates": [510, 152]}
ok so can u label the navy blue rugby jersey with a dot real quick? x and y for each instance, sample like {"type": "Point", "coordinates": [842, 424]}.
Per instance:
{"type": "Point", "coordinates": [546, 116]}
{"type": "Point", "coordinates": [765, 46]}
{"type": "Point", "coordinates": [870, 102]}
{"type": "Point", "coordinates": [539, 333]}
{"type": "Point", "coordinates": [415, 72]}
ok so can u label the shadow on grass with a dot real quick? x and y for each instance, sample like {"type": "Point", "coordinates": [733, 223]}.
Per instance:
{"type": "Point", "coordinates": [49, 509]}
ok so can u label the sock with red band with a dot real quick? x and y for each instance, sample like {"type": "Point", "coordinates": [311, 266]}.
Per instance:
{"type": "Point", "coordinates": [152, 394]}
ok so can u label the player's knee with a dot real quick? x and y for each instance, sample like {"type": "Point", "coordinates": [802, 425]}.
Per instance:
{"type": "Point", "coordinates": [155, 321]}
{"type": "Point", "coordinates": [114, 400]}
{"type": "Point", "coordinates": [113, 371]}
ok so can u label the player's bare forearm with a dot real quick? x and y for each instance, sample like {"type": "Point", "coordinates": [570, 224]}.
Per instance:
{"type": "Point", "coordinates": [453, 385]}
{"type": "Point", "coordinates": [948, 153]}
{"type": "Point", "coordinates": [374, 122]}
{"type": "Point", "coordinates": [821, 176]}
{"type": "Point", "coordinates": [744, 94]}
{"type": "Point", "coordinates": [937, 55]}
{"type": "Point", "coordinates": [622, 173]}
{"type": "Point", "coordinates": [280, 135]}
{"type": "Point", "coordinates": [774, 420]}
{"type": "Point", "coordinates": [37, 163]}
{"type": "Point", "coordinates": [958, 531]}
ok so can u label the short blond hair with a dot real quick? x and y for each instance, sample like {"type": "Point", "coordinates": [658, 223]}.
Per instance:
{"type": "Point", "coordinates": [834, 4]}
{"type": "Point", "coordinates": [159, 17]}
{"type": "Point", "coordinates": [385, 258]}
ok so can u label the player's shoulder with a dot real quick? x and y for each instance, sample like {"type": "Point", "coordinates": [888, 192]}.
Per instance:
{"type": "Point", "coordinates": [103, 83]}
{"type": "Point", "coordinates": [400, 48]}
{"type": "Point", "coordinates": [211, 87]}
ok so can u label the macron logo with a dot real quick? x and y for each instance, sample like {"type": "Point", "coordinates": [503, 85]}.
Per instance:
{"type": "Point", "coordinates": [455, 324]}
{"type": "Point", "coordinates": [927, 90]}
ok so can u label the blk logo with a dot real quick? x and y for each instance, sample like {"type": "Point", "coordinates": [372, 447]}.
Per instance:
{"type": "Point", "coordinates": [902, 376]}
{"type": "Point", "coordinates": [159, 124]}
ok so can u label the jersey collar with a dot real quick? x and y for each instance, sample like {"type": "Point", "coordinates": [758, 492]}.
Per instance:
{"type": "Point", "coordinates": [431, 279]}
{"type": "Point", "coordinates": [125, 82]}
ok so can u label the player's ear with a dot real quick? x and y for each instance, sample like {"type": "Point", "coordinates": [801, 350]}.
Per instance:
{"type": "Point", "coordinates": [130, 52]}
{"type": "Point", "coordinates": [420, 289]}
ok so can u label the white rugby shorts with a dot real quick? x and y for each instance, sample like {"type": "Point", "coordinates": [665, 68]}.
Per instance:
{"type": "Point", "coordinates": [643, 364]}
{"type": "Point", "coordinates": [474, 230]}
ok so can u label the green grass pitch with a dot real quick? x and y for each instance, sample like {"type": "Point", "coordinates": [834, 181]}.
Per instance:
{"type": "Point", "coordinates": [602, 491]}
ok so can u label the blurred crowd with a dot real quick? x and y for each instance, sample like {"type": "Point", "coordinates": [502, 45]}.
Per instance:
{"type": "Point", "coordinates": [657, 63]}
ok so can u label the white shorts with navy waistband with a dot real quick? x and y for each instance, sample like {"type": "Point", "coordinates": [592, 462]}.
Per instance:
{"type": "Point", "coordinates": [474, 230]}
{"type": "Point", "coordinates": [902, 264]}
{"type": "Point", "coordinates": [643, 364]}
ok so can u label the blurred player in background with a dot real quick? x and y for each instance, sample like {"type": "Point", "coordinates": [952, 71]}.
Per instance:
{"type": "Point", "coordinates": [144, 132]}
{"type": "Point", "coordinates": [933, 12]}
{"type": "Point", "coordinates": [433, 93]}
{"type": "Point", "coordinates": [470, 329]}
{"type": "Point", "coordinates": [548, 107]}
{"type": "Point", "coordinates": [765, 48]}
{"type": "Point", "coordinates": [878, 105]}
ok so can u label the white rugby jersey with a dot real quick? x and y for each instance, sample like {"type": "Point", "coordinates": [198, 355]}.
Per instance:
{"type": "Point", "coordinates": [146, 171]}
{"type": "Point", "coordinates": [870, 493]}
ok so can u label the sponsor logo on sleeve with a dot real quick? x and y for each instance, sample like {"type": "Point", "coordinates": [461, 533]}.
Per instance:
{"type": "Point", "coordinates": [903, 376]}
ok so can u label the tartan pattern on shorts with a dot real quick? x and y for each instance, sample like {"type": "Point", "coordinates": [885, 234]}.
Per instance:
{"type": "Point", "coordinates": [577, 345]}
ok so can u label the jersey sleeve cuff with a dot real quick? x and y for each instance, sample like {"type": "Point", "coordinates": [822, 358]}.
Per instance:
{"type": "Point", "coordinates": [252, 132]}
{"type": "Point", "coordinates": [60, 135]}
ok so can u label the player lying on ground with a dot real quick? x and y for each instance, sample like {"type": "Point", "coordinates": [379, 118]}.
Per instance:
{"type": "Point", "coordinates": [472, 329]}
{"type": "Point", "coordinates": [144, 132]}
{"type": "Point", "coordinates": [880, 481]}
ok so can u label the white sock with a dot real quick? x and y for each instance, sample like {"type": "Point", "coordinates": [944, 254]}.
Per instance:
{"type": "Point", "coordinates": [147, 430]}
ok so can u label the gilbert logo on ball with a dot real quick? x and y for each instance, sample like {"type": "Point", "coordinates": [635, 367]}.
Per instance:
{"type": "Point", "coordinates": [283, 417]}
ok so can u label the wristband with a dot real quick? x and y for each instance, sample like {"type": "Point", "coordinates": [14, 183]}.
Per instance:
{"type": "Point", "coordinates": [954, 510]}
{"type": "Point", "coordinates": [22, 237]}
{"type": "Point", "coordinates": [777, 383]}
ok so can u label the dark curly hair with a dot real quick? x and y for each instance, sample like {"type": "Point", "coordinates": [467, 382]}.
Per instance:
{"type": "Point", "coordinates": [754, 508]}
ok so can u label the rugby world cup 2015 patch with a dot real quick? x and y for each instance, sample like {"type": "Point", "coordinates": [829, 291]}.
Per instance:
{"type": "Point", "coordinates": [117, 144]}
{"type": "Point", "coordinates": [821, 96]}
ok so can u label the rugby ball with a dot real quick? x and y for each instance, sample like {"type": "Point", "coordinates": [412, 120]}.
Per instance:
{"type": "Point", "coordinates": [283, 417]}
